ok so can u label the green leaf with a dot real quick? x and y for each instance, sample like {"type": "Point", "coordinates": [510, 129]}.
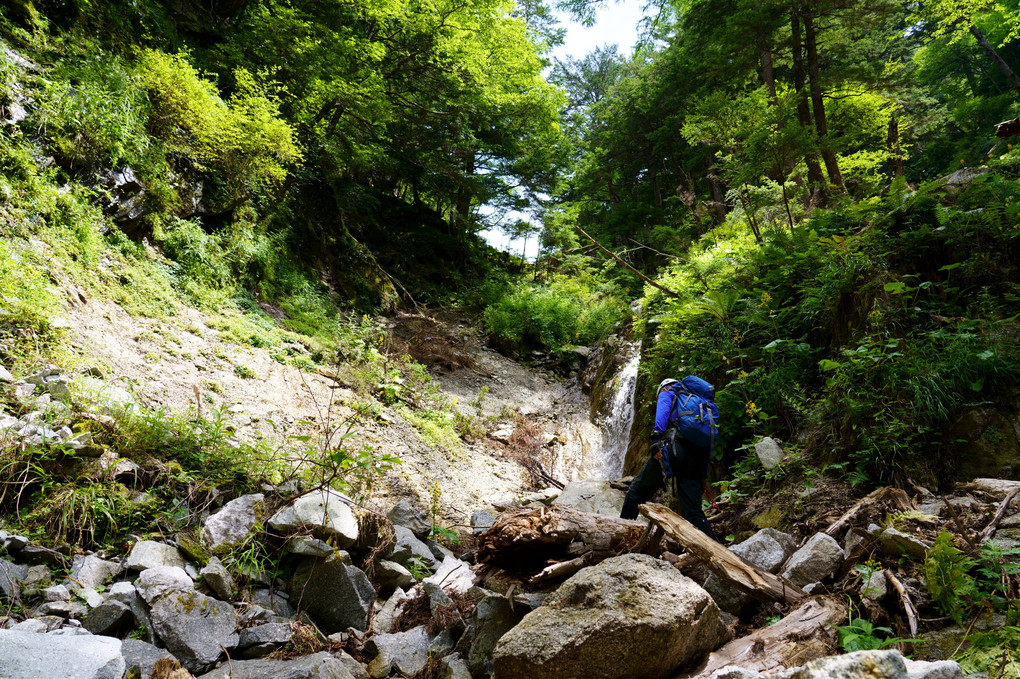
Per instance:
{"type": "Point", "coordinates": [985, 355]}
{"type": "Point", "coordinates": [897, 288]}
{"type": "Point", "coordinates": [950, 267]}
{"type": "Point", "coordinates": [827, 365]}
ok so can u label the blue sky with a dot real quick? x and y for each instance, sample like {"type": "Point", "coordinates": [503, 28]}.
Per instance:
{"type": "Point", "coordinates": [616, 23]}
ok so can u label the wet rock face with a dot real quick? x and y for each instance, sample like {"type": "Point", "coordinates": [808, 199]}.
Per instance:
{"type": "Point", "coordinates": [631, 616]}
{"type": "Point", "coordinates": [991, 448]}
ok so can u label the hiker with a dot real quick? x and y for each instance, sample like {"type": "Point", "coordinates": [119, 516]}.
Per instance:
{"type": "Point", "coordinates": [674, 455]}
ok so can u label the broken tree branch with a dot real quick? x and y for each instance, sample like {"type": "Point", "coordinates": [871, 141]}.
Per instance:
{"type": "Point", "coordinates": [721, 561]}
{"type": "Point", "coordinates": [989, 530]}
{"type": "Point", "coordinates": [908, 605]}
{"type": "Point", "coordinates": [640, 275]}
{"type": "Point", "coordinates": [887, 494]}
{"type": "Point", "coordinates": [964, 533]}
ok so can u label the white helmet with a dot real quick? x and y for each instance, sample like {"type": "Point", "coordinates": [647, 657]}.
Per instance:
{"type": "Point", "coordinates": [666, 382]}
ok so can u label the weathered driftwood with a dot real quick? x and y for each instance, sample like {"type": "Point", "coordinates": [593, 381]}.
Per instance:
{"type": "Point", "coordinates": [804, 635]}
{"type": "Point", "coordinates": [526, 538]}
{"type": "Point", "coordinates": [989, 530]}
{"type": "Point", "coordinates": [908, 605]}
{"type": "Point", "coordinates": [721, 561]}
{"type": "Point", "coordinates": [894, 495]}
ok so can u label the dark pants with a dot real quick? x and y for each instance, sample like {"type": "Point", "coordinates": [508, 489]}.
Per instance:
{"type": "Point", "coordinates": [688, 464]}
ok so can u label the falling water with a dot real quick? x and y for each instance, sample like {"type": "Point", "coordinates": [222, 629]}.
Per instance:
{"type": "Point", "coordinates": [616, 425]}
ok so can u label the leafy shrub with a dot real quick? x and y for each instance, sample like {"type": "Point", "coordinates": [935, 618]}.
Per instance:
{"type": "Point", "coordinates": [550, 316]}
{"type": "Point", "coordinates": [94, 112]}
{"type": "Point", "coordinates": [244, 140]}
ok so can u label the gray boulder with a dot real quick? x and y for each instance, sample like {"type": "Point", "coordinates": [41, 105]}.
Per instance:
{"type": "Point", "coordinates": [494, 616]}
{"type": "Point", "coordinates": [482, 520]}
{"type": "Point", "coordinates": [940, 669]}
{"type": "Point", "coordinates": [233, 523]}
{"type": "Point", "coordinates": [29, 655]}
{"type": "Point", "coordinates": [327, 514]}
{"type": "Point", "coordinates": [595, 497]}
{"type": "Point", "coordinates": [148, 554]}
{"type": "Point", "coordinates": [407, 515]}
{"type": "Point", "coordinates": [898, 543]}
{"type": "Point", "coordinates": [404, 652]}
{"type": "Point", "coordinates": [56, 593]}
{"type": "Point", "coordinates": [408, 547]}
{"type": "Point", "coordinates": [631, 616]}
{"type": "Point", "coordinates": [769, 453]}
{"type": "Point", "coordinates": [154, 583]}
{"type": "Point", "coordinates": [857, 665]}
{"type": "Point", "coordinates": [194, 627]}
{"type": "Point", "coordinates": [876, 587]}
{"type": "Point", "coordinates": [140, 657]}
{"type": "Point", "coordinates": [89, 572]}
{"type": "Point", "coordinates": [109, 617]}
{"type": "Point", "coordinates": [390, 575]}
{"type": "Point", "coordinates": [304, 545]}
{"type": "Point", "coordinates": [453, 575]}
{"type": "Point", "coordinates": [275, 602]}
{"type": "Point", "coordinates": [217, 577]}
{"type": "Point", "coordinates": [317, 666]}
{"type": "Point", "coordinates": [11, 575]}
{"type": "Point", "coordinates": [255, 642]}
{"type": "Point", "coordinates": [385, 619]}
{"type": "Point", "coordinates": [767, 549]}
{"type": "Point", "coordinates": [816, 560]}
{"type": "Point", "coordinates": [334, 592]}
{"type": "Point", "coordinates": [454, 667]}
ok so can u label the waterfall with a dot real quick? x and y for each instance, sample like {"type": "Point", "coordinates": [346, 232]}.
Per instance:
{"type": "Point", "coordinates": [616, 425]}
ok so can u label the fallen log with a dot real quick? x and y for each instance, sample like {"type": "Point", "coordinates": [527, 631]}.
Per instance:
{"type": "Point", "coordinates": [525, 539]}
{"type": "Point", "coordinates": [721, 561]}
{"type": "Point", "coordinates": [804, 635]}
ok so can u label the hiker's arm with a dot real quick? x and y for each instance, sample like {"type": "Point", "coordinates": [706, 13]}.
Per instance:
{"type": "Point", "coordinates": [662, 408]}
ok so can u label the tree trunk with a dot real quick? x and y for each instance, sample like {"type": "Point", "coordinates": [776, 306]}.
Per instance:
{"type": "Point", "coordinates": [719, 203]}
{"type": "Point", "coordinates": [896, 164]}
{"type": "Point", "coordinates": [816, 179]}
{"type": "Point", "coordinates": [1012, 77]}
{"type": "Point", "coordinates": [818, 104]}
{"type": "Point", "coordinates": [524, 540]}
{"type": "Point", "coordinates": [768, 76]}
{"type": "Point", "coordinates": [805, 634]}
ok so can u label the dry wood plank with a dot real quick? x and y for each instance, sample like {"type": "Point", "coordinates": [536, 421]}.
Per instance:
{"type": "Point", "coordinates": [989, 530]}
{"type": "Point", "coordinates": [908, 605]}
{"type": "Point", "coordinates": [524, 539]}
{"type": "Point", "coordinates": [804, 635]}
{"type": "Point", "coordinates": [721, 561]}
{"type": "Point", "coordinates": [887, 494]}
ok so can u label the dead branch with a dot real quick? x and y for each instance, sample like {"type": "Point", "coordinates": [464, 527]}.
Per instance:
{"type": "Point", "coordinates": [908, 605]}
{"type": "Point", "coordinates": [721, 561]}
{"type": "Point", "coordinates": [989, 530]}
{"type": "Point", "coordinates": [887, 494]}
{"type": "Point", "coordinates": [964, 533]}
{"type": "Point", "coordinates": [640, 275]}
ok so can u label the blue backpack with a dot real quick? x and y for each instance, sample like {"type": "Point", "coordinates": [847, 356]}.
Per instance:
{"type": "Point", "coordinates": [695, 413]}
